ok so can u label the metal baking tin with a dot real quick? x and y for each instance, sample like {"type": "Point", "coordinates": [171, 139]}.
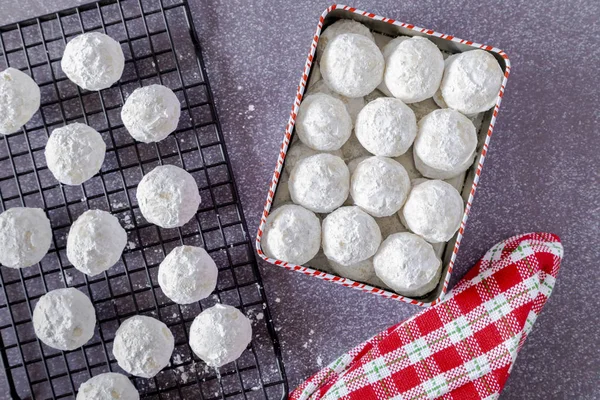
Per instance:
{"type": "Point", "coordinates": [445, 42]}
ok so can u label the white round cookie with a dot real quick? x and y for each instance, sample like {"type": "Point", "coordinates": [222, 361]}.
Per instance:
{"type": "Point", "coordinates": [25, 236]}
{"type": "Point", "coordinates": [386, 127]}
{"type": "Point", "coordinates": [168, 196]}
{"type": "Point", "coordinates": [151, 113]}
{"type": "Point", "coordinates": [19, 100]}
{"type": "Point", "coordinates": [220, 334]}
{"type": "Point", "coordinates": [387, 47]}
{"type": "Point", "coordinates": [299, 151]}
{"type": "Point", "coordinates": [437, 97]}
{"type": "Point", "coordinates": [187, 274]}
{"type": "Point", "coordinates": [445, 144]}
{"type": "Point", "coordinates": [379, 185]}
{"type": "Point", "coordinates": [350, 235]}
{"type": "Point", "coordinates": [361, 271]}
{"type": "Point", "coordinates": [407, 264]}
{"type": "Point", "coordinates": [320, 183]}
{"type": "Point", "coordinates": [352, 65]}
{"type": "Point", "coordinates": [352, 149]}
{"type": "Point", "coordinates": [339, 27]}
{"type": "Point", "coordinates": [143, 346]}
{"type": "Point", "coordinates": [408, 162]}
{"type": "Point", "coordinates": [433, 210]}
{"type": "Point", "coordinates": [472, 82]}
{"type": "Point", "coordinates": [93, 61]}
{"type": "Point", "coordinates": [64, 319]}
{"type": "Point", "coordinates": [353, 104]}
{"type": "Point", "coordinates": [414, 69]}
{"type": "Point", "coordinates": [323, 123]}
{"type": "Point", "coordinates": [74, 153]}
{"type": "Point", "coordinates": [108, 386]}
{"type": "Point", "coordinates": [292, 234]}
{"type": "Point", "coordinates": [95, 242]}
{"type": "Point", "coordinates": [351, 168]}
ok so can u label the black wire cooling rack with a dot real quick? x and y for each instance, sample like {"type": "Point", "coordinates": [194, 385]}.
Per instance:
{"type": "Point", "coordinates": [161, 46]}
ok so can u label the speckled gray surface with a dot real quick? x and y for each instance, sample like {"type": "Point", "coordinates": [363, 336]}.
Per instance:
{"type": "Point", "coordinates": [542, 170]}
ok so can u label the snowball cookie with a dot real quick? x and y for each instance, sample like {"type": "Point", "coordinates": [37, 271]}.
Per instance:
{"type": "Point", "coordinates": [25, 236]}
{"type": "Point", "coordinates": [299, 151]}
{"type": "Point", "coordinates": [74, 153]}
{"type": "Point", "coordinates": [220, 334]}
{"type": "Point", "coordinates": [407, 264]}
{"type": "Point", "coordinates": [143, 346]}
{"type": "Point", "coordinates": [351, 168]}
{"type": "Point", "coordinates": [108, 386]}
{"type": "Point", "coordinates": [151, 113]}
{"type": "Point", "coordinates": [323, 123]}
{"type": "Point", "coordinates": [64, 319]}
{"type": "Point", "coordinates": [93, 61]}
{"type": "Point", "coordinates": [339, 27]}
{"type": "Point", "coordinates": [414, 69]}
{"type": "Point", "coordinates": [472, 82]}
{"type": "Point", "coordinates": [379, 185]}
{"type": "Point", "coordinates": [361, 271]}
{"type": "Point", "coordinates": [445, 144]}
{"type": "Point", "coordinates": [387, 47]}
{"type": "Point", "coordinates": [96, 241]}
{"type": "Point", "coordinates": [320, 183]}
{"type": "Point", "coordinates": [19, 100]}
{"type": "Point", "coordinates": [168, 196]}
{"type": "Point", "coordinates": [353, 104]}
{"type": "Point", "coordinates": [433, 210]}
{"type": "Point", "coordinates": [352, 65]}
{"type": "Point", "coordinates": [386, 127]}
{"type": "Point", "coordinates": [187, 274]}
{"type": "Point", "coordinates": [292, 234]}
{"type": "Point", "coordinates": [350, 235]}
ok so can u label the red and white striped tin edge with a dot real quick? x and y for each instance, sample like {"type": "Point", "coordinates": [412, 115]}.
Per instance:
{"type": "Point", "coordinates": [288, 135]}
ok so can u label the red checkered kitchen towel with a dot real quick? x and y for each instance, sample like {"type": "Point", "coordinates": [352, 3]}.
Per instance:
{"type": "Point", "coordinates": [462, 348]}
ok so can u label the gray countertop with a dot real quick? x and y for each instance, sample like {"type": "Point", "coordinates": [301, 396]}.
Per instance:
{"type": "Point", "coordinates": [541, 173]}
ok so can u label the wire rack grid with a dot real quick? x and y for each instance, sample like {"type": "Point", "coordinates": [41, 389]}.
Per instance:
{"type": "Point", "coordinates": [160, 46]}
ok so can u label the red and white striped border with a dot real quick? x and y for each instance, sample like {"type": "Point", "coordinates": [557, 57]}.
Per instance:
{"type": "Point", "coordinates": [288, 136]}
